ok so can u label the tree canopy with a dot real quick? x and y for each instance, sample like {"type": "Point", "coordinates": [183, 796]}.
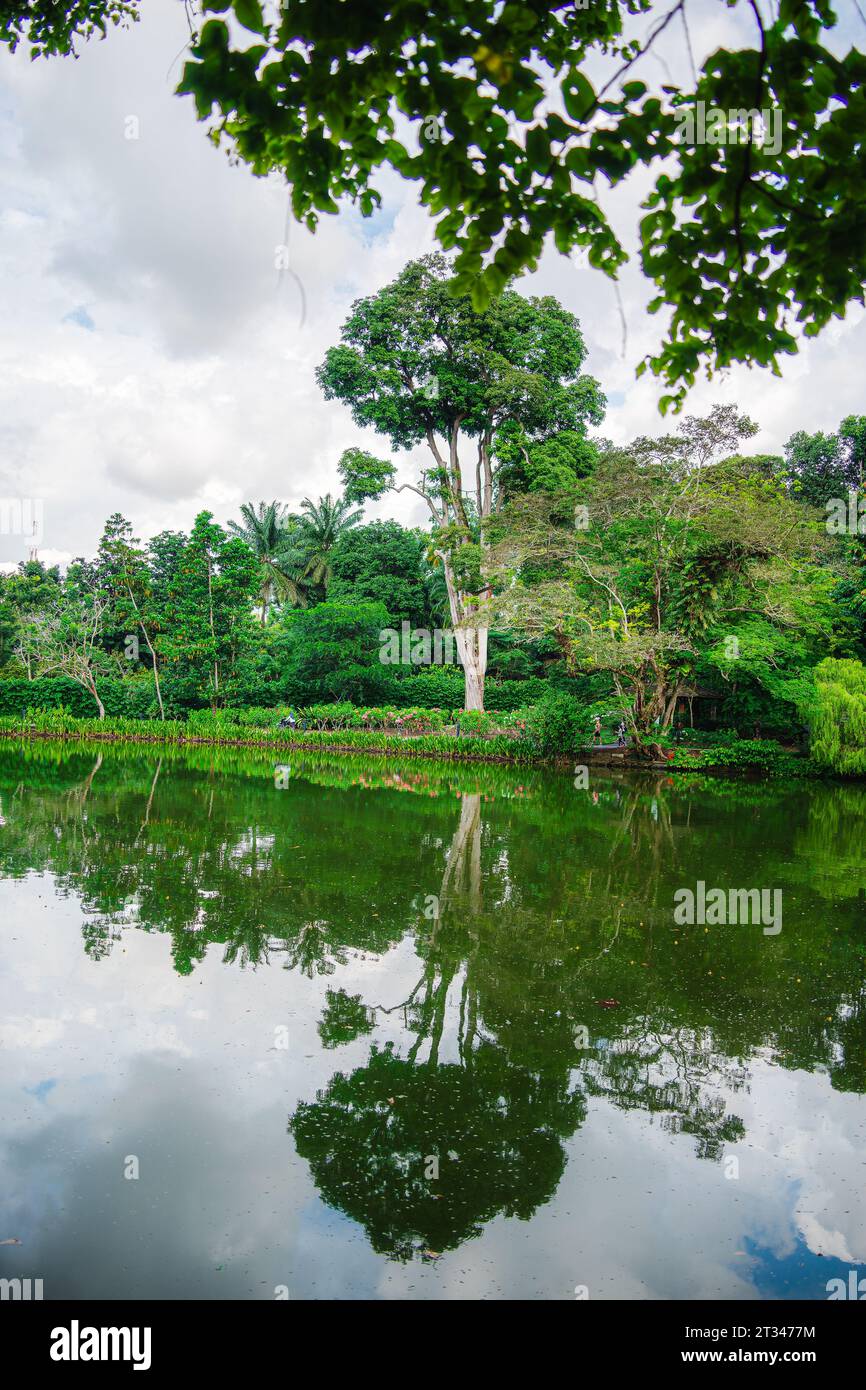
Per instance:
{"type": "Point", "coordinates": [420, 365]}
{"type": "Point", "coordinates": [752, 233]}
{"type": "Point", "coordinates": [490, 109]}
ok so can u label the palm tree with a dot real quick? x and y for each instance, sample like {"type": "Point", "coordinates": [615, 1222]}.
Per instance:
{"type": "Point", "coordinates": [272, 536]}
{"type": "Point", "coordinates": [320, 526]}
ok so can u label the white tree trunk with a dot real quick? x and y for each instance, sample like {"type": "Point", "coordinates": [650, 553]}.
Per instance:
{"type": "Point", "coordinates": [473, 651]}
{"type": "Point", "coordinates": [473, 673]}
{"type": "Point", "coordinates": [471, 642]}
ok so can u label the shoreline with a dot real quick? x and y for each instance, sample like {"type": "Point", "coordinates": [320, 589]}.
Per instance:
{"type": "Point", "coordinates": [464, 750]}
{"type": "Point", "coordinates": [443, 754]}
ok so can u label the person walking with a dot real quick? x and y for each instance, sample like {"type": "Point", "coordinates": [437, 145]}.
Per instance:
{"type": "Point", "coordinates": [597, 731]}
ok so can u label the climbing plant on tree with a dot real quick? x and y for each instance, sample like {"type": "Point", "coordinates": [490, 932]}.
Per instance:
{"type": "Point", "coordinates": [422, 367]}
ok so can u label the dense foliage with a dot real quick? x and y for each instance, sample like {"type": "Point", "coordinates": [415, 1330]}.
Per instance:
{"type": "Point", "coordinates": [653, 586]}
{"type": "Point", "coordinates": [838, 716]}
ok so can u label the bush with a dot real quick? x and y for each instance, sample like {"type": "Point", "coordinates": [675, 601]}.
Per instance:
{"type": "Point", "coordinates": [338, 715]}
{"type": "Point", "coordinates": [837, 717]}
{"type": "Point", "coordinates": [474, 721]}
{"type": "Point", "coordinates": [434, 694]}
{"type": "Point", "coordinates": [443, 687]}
{"type": "Point", "coordinates": [54, 692]}
{"type": "Point", "coordinates": [763, 754]}
{"type": "Point", "coordinates": [554, 725]}
{"type": "Point", "coordinates": [141, 701]}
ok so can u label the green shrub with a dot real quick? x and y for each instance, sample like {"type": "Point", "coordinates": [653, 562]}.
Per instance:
{"type": "Point", "coordinates": [473, 721]}
{"type": "Point", "coordinates": [836, 715]}
{"type": "Point", "coordinates": [762, 754]}
{"type": "Point", "coordinates": [554, 725]}
{"type": "Point", "coordinates": [443, 687]}
{"type": "Point", "coordinates": [140, 698]}
{"type": "Point", "coordinates": [54, 692]}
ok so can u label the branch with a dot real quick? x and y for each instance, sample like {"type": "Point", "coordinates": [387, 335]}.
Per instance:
{"type": "Point", "coordinates": [747, 162]}
{"type": "Point", "coordinates": [608, 590]}
{"type": "Point", "coordinates": [410, 487]}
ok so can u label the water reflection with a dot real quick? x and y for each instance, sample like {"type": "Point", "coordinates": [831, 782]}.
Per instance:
{"type": "Point", "coordinates": [495, 951]}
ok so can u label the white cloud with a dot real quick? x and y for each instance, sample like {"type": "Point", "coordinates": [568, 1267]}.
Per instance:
{"type": "Point", "coordinates": [195, 385]}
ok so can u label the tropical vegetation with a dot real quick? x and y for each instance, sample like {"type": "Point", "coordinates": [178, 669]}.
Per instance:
{"type": "Point", "coordinates": [673, 583]}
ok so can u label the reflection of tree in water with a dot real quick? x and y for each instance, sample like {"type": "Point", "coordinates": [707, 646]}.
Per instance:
{"type": "Point", "coordinates": [547, 904]}
{"type": "Point", "coordinates": [345, 1017]}
{"type": "Point", "coordinates": [494, 1124]}
{"type": "Point", "coordinates": [207, 859]}
{"type": "Point", "coordinates": [494, 1128]}
{"type": "Point", "coordinates": [671, 1077]}
{"type": "Point", "coordinates": [312, 951]}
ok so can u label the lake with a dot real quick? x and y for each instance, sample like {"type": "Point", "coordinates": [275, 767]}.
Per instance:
{"type": "Point", "coordinates": [357, 1028]}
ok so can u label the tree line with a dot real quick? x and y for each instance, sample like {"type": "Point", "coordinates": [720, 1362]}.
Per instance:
{"type": "Point", "coordinates": [643, 573]}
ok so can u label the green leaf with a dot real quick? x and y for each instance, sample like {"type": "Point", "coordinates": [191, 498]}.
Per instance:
{"type": "Point", "coordinates": [578, 95]}
{"type": "Point", "coordinates": [249, 14]}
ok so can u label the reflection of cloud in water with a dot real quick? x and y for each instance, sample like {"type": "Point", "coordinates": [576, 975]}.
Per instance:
{"type": "Point", "coordinates": [411, 1036]}
{"type": "Point", "coordinates": [214, 1213]}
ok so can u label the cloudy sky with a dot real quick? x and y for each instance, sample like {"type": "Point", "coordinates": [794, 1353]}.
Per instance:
{"type": "Point", "coordinates": [155, 362]}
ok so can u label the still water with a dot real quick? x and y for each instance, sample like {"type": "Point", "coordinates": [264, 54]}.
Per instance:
{"type": "Point", "coordinates": [374, 1029]}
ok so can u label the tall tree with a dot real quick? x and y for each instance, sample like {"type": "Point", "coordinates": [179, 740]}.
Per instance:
{"type": "Point", "coordinates": [819, 467]}
{"type": "Point", "coordinates": [269, 532]}
{"type": "Point", "coordinates": [67, 640]}
{"type": "Point", "coordinates": [207, 614]}
{"type": "Point", "coordinates": [422, 367]}
{"type": "Point", "coordinates": [125, 580]}
{"type": "Point", "coordinates": [320, 526]}
{"type": "Point", "coordinates": [852, 435]}
{"type": "Point", "coordinates": [31, 591]}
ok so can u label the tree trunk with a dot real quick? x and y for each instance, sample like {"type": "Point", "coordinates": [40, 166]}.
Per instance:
{"type": "Point", "coordinates": [149, 645]}
{"type": "Point", "coordinates": [471, 642]}
{"type": "Point", "coordinates": [671, 708]}
{"type": "Point", "coordinates": [158, 689]}
{"type": "Point", "coordinates": [153, 658]}
{"type": "Point", "coordinates": [216, 669]}
{"type": "Point", "coordinates": [472, 646]}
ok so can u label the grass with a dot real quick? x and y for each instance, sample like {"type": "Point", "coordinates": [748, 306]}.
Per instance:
{"type": "Point", "coordinates": [230, 729]}
{"type": "Point", "coordinates": [57, 724]}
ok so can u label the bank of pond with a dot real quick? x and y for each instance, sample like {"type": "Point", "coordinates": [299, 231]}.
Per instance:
{"type": "Point", "coordinates": [456, 737]}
